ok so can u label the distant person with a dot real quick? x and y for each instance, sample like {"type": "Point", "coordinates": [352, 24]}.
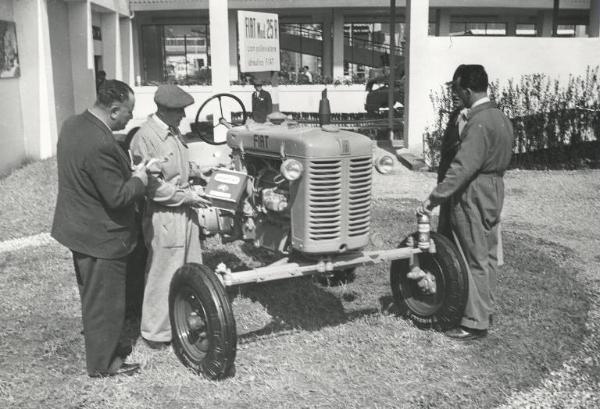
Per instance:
{"type": "Point", "coordinates": [385, 59]}
{"type": "Point", "coordinates": [94, 218]}
{"type": "Point", "coordinates": [474, 185]}
{"type": "Point", "coordinates": [450, 144]}
{"type": "Point", "coordinates": [306, 74]}
{"type": "Point", "coordinates": [170, 224]}
{"type": "Point", "coordinates": [100, 78]}
{"type": "Point", "coordinates": [261, 102]}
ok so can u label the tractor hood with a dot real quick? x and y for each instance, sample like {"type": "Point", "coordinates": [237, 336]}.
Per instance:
{"type": "Point", "coordinates": [289, 139]}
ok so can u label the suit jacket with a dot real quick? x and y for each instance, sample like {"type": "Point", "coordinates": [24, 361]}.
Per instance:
{"type": "Point", "coordinates": [261, 105]}
{"type": "Point", "coordinates": [475, 174]}
{"type": "Point", "coordinates": [95, 208]}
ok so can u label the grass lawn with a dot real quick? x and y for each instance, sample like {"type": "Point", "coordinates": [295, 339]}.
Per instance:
{"type": "Point", "coordinates": [301, 345]}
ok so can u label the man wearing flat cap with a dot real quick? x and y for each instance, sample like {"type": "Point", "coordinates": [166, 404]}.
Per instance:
{"type": "Point", "coordinates": [169, 223]}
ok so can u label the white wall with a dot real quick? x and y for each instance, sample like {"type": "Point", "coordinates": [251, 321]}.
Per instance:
{"type": "Point", "coordinates": [298, 98]}
{"type": "Point", "coordinates": [12, 145]}
{"type": "Point", "coordinates": [503, 57]}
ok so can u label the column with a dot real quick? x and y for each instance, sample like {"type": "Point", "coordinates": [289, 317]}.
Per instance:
{"type": "Point", "coordinates": [36, 84]}
{"type": "Point", "coordinates": [544, 25]}
{"type": "Point", "coordinates": [327, 47]}
{"type": "Point", "coordinates": [443, 22]}
{"type": "Point", "coordinates": [219, 44]}
{"type": "Point", "coordinates": [594, 23]}
{"type": "Point", "coordinates": [233, 47]}
{"type": "Point", "coordinates": [511, 26]}
{"type": "Point", "coordinates": [111, 46]}
{"type": "Point", "coordinates": [126, 33]}
{"type": "Point", "coordinates": [338, 44]}
{"type": "Point", "coordinates": [82, 54]}
{"type": "Point", "coordinates": [416, 98]}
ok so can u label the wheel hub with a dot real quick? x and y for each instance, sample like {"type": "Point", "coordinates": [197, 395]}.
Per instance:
{"type": "Point", "coordinates": [424, 279]}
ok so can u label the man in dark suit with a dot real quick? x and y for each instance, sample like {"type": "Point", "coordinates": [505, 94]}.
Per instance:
{"type": "Point", "coordinates": [261, 102]}
{"type": "Point", "coordinates": [474, 186]}
{"type": "Point", "coordinates": [94, 218]}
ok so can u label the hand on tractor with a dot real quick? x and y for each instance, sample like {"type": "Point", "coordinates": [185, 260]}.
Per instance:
{"type": "Point", "coordinates": [425, 207]}
{"type": "Point", "coordinates": [195, 200]}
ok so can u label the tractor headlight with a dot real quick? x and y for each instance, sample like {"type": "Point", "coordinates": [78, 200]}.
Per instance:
{"type": "Point", "coordinates": [384, 164]}
{"type": "Point", "coordinates": [291, 169]}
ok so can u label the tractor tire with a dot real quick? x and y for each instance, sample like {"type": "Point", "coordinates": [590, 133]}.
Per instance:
{"type": "Point", "coordinates": [444, 309]}
{"type": "Point", "coordinates": [202, 322]}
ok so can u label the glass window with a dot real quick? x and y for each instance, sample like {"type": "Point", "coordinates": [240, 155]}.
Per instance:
{"type": "Point", "coordinates": [368, 48]}
{"type": "Point", "coordinates": [477, 29]}
{"type": "Point", "coordinates": [179, 53]}
{"type": "Point", "coordinates": [301, 46]}
{"type": "Point", "coordinates": [526, 30]}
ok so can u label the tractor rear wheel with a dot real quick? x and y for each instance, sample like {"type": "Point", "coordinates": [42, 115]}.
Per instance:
{"type": "Point", "coordinates": [202, 322]}
{"type": "Point", "coordinates": [444, 308]}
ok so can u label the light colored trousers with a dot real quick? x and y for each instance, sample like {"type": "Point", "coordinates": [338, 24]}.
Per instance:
{"type": "Point", "coordinates": [172, 237]}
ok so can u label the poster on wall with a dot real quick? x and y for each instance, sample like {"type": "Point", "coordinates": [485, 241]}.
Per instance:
{"type": "Point", "coordinates": [9, 57]}
{"type": "Point", "coordinates": [258, 41]}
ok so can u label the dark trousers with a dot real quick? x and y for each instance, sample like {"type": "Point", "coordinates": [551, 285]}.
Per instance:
{"type": "Point", "coordinates": [102, 291]}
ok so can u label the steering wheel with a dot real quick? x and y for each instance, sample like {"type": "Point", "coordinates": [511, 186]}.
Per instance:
{"type": "Point", "coordinates": [204, 129]}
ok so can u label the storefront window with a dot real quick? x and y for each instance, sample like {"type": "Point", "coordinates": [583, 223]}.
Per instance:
{"type": "Point", "coordinates": [369, 48]}
{"type": "Point", "coordinates": [478, 29]}
{"type": "Point", "coordinates": [301, 46]}
{"type": "Point", "coordinates": [176, 53]}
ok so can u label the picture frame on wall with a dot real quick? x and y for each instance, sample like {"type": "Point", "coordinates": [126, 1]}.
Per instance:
{"type": "Point", "coordinates": [9, 56]}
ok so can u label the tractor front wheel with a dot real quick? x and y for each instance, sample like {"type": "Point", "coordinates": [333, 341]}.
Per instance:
{"type": "Point", "coordinates": [202, 322]}
{"type": "Point", "coordinates": [442, 308]}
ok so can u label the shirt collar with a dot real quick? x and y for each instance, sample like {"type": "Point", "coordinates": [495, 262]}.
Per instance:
{"type": "Point", "coordinates": [480, 101]}
{"type": "Point", "coordinates": [162, 129]}
{"type": "Point", "coordinates": [99, 119]}
{"type": "Point", "coordinates": [160, 122]}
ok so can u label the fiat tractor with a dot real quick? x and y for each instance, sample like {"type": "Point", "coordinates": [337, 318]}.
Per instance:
{"type": "Point", "coordinates": [305, 195]}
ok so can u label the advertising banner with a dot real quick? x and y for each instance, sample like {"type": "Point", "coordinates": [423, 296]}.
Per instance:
{"type": "Point", "coordinates": [258, 41]}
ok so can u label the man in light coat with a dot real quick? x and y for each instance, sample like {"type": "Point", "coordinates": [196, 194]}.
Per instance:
{"type": "Point", "coordinates": [170, 224]}
{"type": "Point", "coordinates": [474, 186]}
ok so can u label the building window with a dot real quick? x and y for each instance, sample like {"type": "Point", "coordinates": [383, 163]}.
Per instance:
{"type": "Point", "coordinates": [96, 33]}
{"type": "Point", "coordinates": [369, 48]}
{"type": "Point", "coordinates": [478, 29]}
{"type": "Point", "coordinates": [571, 30]}
{"type": "Point", "coordinates": [526, 30]}
{"type": "Point", "coordinates": [176, 53]}
{"type": "Point", "coordinates": [301, 45]}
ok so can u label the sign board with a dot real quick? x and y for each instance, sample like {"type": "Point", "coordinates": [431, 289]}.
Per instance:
{"type": "Point", "coordinates": [258, 41]}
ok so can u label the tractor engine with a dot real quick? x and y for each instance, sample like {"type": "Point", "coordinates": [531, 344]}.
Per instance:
{"type": "Point", "coordinates": [294, 188]}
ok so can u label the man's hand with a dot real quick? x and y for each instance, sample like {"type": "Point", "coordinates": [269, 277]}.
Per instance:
{"type": "Point", "coordinates": [425, 207]}
{"type": "Point", "coordinates": [140, 172]}
{"type": "Point", "coordinates": [195, 200]}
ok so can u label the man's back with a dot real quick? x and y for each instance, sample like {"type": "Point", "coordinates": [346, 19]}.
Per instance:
{"type": "Point", "coordinates": [94, 211]}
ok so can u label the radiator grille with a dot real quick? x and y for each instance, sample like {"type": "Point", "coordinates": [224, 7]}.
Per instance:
{"type": "Point", "coordinates": [325, 199]}
{"type": "Point", "coordinates": [339, 198]}
{"type": "Point", "coordinates": [359, 196]}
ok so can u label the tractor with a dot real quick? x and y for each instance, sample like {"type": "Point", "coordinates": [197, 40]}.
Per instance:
{"type": "Point", "coordinates": [303, 194]}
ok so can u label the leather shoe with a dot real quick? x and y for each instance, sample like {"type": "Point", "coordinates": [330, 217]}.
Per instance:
{"type": "Point", "coordinates": [157, 345]}
{"type": "Point", "coordinates": [466, 334]}
{"type": "Point", "coordinates": [124, 369]}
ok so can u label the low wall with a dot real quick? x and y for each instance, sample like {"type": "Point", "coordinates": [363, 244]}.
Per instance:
{"type": "Point", "coordinates": [297, 98]}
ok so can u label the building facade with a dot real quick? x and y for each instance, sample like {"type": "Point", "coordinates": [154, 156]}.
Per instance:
{"type": "Point", "coordinates": [62, 44]}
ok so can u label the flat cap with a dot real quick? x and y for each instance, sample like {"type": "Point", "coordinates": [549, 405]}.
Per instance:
{"type": "Point", "coordinates": [171, 96]}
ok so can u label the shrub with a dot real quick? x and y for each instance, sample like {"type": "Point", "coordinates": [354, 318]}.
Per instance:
{"type": "Point", "coordinates": [545, 115]}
